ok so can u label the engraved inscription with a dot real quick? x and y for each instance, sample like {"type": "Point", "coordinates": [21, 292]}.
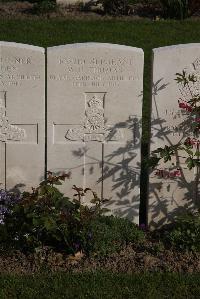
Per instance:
{"type": "Point", "coordinates": [95, 72]}
{"type": "Point", "coordinates": [94, 127]}
{"type": "Point", "coordinates": [11, 73]}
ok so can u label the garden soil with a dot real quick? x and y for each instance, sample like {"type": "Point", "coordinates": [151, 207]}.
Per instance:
{"type": "Point", "coordinates": [149, 257]}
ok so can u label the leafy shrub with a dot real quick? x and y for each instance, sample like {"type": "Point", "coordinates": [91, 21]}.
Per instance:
{"type": "Point", "coordinates": [175, 9]}
{"type": "Point", "coordinates": [45, 217]}
{"type": "Point", "coordinates": [188, 145]}
{"type": "Point", "coordinates": [45, 6]}
{"type": "Point", "coordinates": [115, 7]}
{"type": "Point", "coordinates": [108, 234]}
{"type": "Point", "coordinates": [185, 235]}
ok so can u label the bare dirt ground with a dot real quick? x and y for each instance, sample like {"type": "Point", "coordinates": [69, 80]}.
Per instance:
{"type": "Point", "coordinates": [129, 260]}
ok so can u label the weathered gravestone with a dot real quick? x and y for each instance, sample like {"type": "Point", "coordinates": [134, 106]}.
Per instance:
{"type": "Point", "coordinates": [22, 115]}
{"type": "Point", "coordinates": [94, 118]}
{"type": "Point", "coordinates": [173, 188]}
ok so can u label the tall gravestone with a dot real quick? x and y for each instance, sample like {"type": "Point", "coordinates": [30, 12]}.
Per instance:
{"type": "Point", "coordinates": [94, 112]}
{"type": "Point", "coordinates": [173, 188]}
{"type": "Point", "coordinates": [22, 115]}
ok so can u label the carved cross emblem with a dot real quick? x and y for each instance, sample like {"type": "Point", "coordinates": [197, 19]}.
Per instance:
{"type": "Point", "coordinates": [8, 131]}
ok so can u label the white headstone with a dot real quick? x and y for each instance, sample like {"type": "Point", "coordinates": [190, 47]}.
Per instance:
{"type": "Point", "coordinates": [171, 192]}
{"type": "Point", "coordinates": [22, 115]}
{"type": "Point", "coordinates": [94, 119]}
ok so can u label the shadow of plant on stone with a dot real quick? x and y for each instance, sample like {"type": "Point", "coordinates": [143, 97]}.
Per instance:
{"type": "Point", "coordinates": [173, 187]}
{"type": "Point", "coordinates": [120, 170]}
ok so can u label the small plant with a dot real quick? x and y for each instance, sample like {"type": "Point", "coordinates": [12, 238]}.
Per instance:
{"type": "Point", "coordinates": [190, 146]}
{"type": "Point", "coordinates": [158, 247]}
{"type": "Point", "coordinates": [108, 234]}
{"type": "Point", "coordinates": [185, 234]}
{"type": "Point", "coordinates": [45, 217]}
{"type": "Point", "coordinates": [114, 7]}
{"type": "Point", "coordinates": [45, 6]}
{"type": "Point", "coordinates": [175, 9]}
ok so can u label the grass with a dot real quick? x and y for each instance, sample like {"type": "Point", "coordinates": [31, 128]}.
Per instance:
{"type": "Point", "coordinates": [100, 285]}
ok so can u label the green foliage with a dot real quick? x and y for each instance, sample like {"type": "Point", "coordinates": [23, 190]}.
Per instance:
{"type": "Point", "coordinates": [166, 152]}
{"type": "Point", "coordinates": [175, 9]}
{"type": "Point", "coordinates": [189, 146]}
{"type": "Point", "coordinates": [115, 7]}
{"type": "Point", "coordinates": [45, 6]}
{"type": "Point", "coordinates": [108, 234]}
{"type": "Point", "coordinates": [158, 247]}
{"type": "Point", "coordinates": [185, 234]}
{"type": "Point", "coordinates": [45, 217]}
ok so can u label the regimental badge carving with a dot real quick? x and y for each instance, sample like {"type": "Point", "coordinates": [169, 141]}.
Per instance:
{"type": "Point", "coordinates": [94, 127]}
{"type": "Point", "coordinates": [8, 131]}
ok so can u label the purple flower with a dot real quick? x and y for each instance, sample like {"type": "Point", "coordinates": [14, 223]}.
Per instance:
{"type": "Point", "coordinates": [77, 245]}
{"type": "Point", "coordinates": [7, 199]}
{"type": "Point", "coordinates": [142, 226]}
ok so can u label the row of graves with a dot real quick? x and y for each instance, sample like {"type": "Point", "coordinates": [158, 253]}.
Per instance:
{"type": "Point", "coordinates": [78, 109]}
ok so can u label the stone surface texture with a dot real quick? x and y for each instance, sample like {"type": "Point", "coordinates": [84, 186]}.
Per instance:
{"type": "Point", "coordinates": [22, 115]}
{"type": "Point", "coordinates": [168, 195]}
{"type": "Point", "coordinates": [94, 120]}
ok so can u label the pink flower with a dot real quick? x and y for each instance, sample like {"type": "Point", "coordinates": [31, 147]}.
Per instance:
{"type": "Point", "coordinates": [177, 173]}
{"type": "Point", "coordinates": [188, 108]}
{"type": "Point", "coordinates": [182, 105]}
{"type": "Point", "coordinates": [185, 105]}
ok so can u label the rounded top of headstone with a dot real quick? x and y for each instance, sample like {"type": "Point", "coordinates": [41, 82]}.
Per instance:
{"type": "Point", "coordinates": [22, 46]}
{"type": "Point", "coordinates": [96, 45]}
{"type": "Point", "coordinates": [176, 47]}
